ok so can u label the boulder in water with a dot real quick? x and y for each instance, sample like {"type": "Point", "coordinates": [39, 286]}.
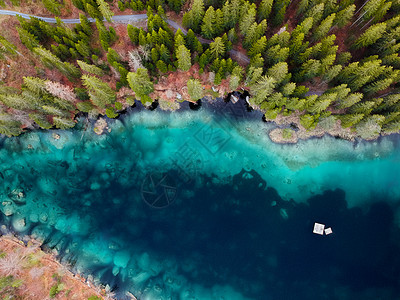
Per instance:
{"type": "Point", "coordinates": [19, 224]}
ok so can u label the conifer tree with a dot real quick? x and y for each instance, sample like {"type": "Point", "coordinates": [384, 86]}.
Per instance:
{"type": "Point", "coordinates": [247, 19]}
{"type": "Point", "coordinates": [349, 120]}
{"type": "Point", "coordinates": [9, 126]}
{"type": "Point", "coordinates": [52, 6]}
{"type": "Point", "coordinates": [140, 83]}
{"type": "Point", "coordinates": [93, 12]}
{"type": "Point", "coordinates": [208, 26]}
{"type": "Point", "coordinates": [100, 92]}
{"type": "Point", "coordinates": [321, 103]}
{"type": "Point", "coordinates": [183, 57]}
{"type": "Point", "coordinates": [364, 107]}
{"type": "Point", "coordinates": [297, 46]}
{"type": "Point", "coordinates": [302, 7]}
{"type": "Point", "coordinates": [162, 66]}
{"type": "Point", "coordinates": [105, 10]}
{"type": "Point", "coordinates": [133, 33]}
{"type": "Point", "coordinates": [323, 29]}
{"type": "Point", "coordinates": [83, 48]}
{"type": "Point", "coordinates": [217, 48]}
{"type": "Point", "coordinates": [304, 27]}
{"type": "Point", "coordinates": [36, 85]}
{"type": "Point", "coordinates": [251, 36]}
{"type": "Point", "coordinates": [331, 73]}
{"type": "Point", "coordinates": [278, 71]}
{"type": "Point", "coordinates": [316, 12]}
{"type": "Point", "coordinates": [309, 122]}
{"type": "Point", "coordinates": [92, 69]}
{"type": "Point", "coordinates": [277, 54]}
{"type": "Point", "coordinates": [219, 22]}
{"type": "Point", "coordinates": [195, 89]}
{"type": "Point", "coordinates": [309, 69]}
{"type": "Point", "coordinates": [262, 89]}
{"type": "Point", "coordinates": [288, 89]}
{"type": "Point", "coordinates": [344, 16]}
{"type": "Point", "coordinates": [349, 100]}
{"type": "Point", "coordinates": [264, 9]}
{"type": "Point", "coordinates": [28, 39]}
{"type": "Point", "coordinates": [370, 8]}
{"type": "Point", "coordinates": [258, 47]}
{"type": "Point", "coordinates": [370, 36]}
{"type": "Point", "coordinates": [193, 18]}
{"type": "Point", "coordinates": [6, 47]}
{"type": "Point", "coordinates": [253, 74]}
{"type": "Point", "coordinates": [377, 86]}
{"type": "Point", "coordinates": [235, 12]}
{"type": "Point", "coordinates": [63, 123]}
{"type": "Point", "coordinates": [48, 58]}
{"type": "Point", "coordinates": [229, 22]}
{"type": "Point", "coordinates": [235, 78]}
{"type": "Point", "coordinates": [279, 11]}
{"type": "Point", "coordinates": [370, 127]}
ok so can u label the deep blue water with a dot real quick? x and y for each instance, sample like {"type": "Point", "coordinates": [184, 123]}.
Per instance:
{"type": "Point", "coordinates": [201, 205]}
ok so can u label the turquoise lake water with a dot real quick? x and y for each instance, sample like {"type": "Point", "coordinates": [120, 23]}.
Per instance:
{"type": "Point", "coordinates": [202, 205]}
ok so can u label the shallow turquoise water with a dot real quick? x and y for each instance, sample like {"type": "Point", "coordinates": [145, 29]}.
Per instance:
{"type": "Point", "coordinates": [201, 205]}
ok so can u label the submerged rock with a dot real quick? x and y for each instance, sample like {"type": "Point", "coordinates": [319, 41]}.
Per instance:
{"type": "Point", "coordinates": [18, 196]}
{"type": "Point", "coordinates": [100, 126]}
{"type": "Point", "coordinates": [19, 224]}
{"type": "Point", "coordinates": [115, 270]}
{"type": "Point", "coordinates": [121, 258]}
{"type": "Point", "coordinates": [8, 209]}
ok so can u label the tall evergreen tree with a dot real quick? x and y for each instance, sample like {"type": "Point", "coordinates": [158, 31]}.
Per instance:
{"type": "Point", "coordinates": [92, 69]}
{"type": "Point", "coordinates": [371, 35]}
{"type": "Point", "coordinates": [195, 89]}
{"type": "Point", "coordinates": [370, 8]}
{"type": "Point", "coordinates": [262, 89]}
{"type": "Point", "coordinates": [183, 57]}
{"type": "Point", "coordinates": [278, 71]}
{"type": "Point", "coordinates": [105, 10]}
{"type": "Point", "coordinates": [323, 29]}
{"type": "Point", "coordinates": [208, 28]}
{"type": "Point", "coordinates": [192, 19]}
{"type": "Point", "coordinates": [344, 16]}
{"type": "Point", "coordinates": [140, 83]}
{"type": "Point", "coordinates": [217, 48]}
{"type": "Point", "coordinates": [247, 19]}
{"type": "Point", "coordinates": [264, 9]}
{"type": "Point", "coordinates": [100, 92]}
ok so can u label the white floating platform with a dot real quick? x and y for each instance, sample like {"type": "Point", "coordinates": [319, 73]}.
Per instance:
{"type": "Point", "coordinates": [319, 228]}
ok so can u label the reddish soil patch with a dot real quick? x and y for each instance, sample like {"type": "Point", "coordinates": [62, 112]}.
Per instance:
{"type": "Point", "coordinates": [38, 272]}
{"type": "Point", "coordinates": [176, 82]}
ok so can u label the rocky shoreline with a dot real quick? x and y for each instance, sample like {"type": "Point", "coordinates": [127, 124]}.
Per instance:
{"type": "Point", "coordinates": [41, 272]}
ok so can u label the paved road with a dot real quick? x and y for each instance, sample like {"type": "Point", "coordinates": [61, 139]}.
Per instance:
{"type": "Point", "coordinates": [126, 19]}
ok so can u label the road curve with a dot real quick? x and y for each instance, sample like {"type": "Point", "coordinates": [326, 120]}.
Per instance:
{"type": "Point", "coordinates": [125, 19]}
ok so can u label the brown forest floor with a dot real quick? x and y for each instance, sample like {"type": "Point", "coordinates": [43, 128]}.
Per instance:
{"type": "Point", "coordinates": [36, 269]}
